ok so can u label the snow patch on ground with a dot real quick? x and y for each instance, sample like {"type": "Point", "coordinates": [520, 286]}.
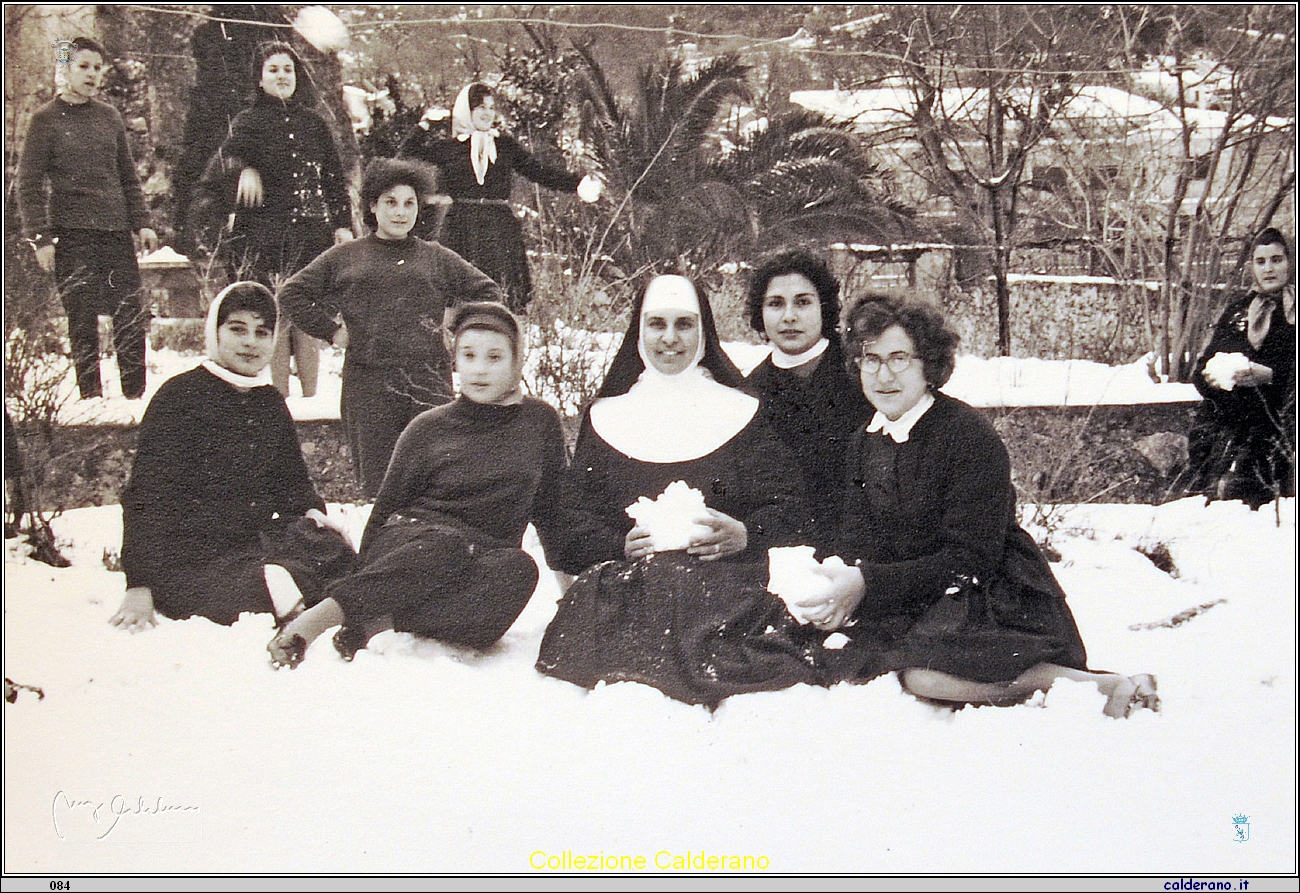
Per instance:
{"type": "Point", "coordinates": [423, 757]}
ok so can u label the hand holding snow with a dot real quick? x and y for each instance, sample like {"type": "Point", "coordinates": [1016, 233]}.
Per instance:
{"type": "Point", "coordinates": [673, 518]}
{"type": "Point", "coordinates": [794, 576]}
{"type": "Point", "coordinates": [1222, 368]}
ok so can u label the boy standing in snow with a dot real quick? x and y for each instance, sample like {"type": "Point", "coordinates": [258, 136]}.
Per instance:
{"type": "Point", "coordinates": [80, 200]}
{"type": "Point", "coordinates": [220, 515]}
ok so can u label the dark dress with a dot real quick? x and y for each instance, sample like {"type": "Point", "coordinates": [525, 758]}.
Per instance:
{"type": "Point", "coordinates": [481, 227]}
{"type": "Point", "coordinates": [1242, 442]}
{"type": "Point", "coordinates": [698, 631]}
{"type": "Point", "coordinates": [816, 417]}
{"type": "Point", "coordinates": [952, 582]}
{"type": "Point", "coordinates": [218, 490]}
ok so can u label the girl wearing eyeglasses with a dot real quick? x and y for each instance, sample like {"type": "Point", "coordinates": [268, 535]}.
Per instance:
{"type": "Point", "coordinates": [942, 584]}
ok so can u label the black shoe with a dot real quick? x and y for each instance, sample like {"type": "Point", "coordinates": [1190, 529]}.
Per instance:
{"type": "Point", "coordinates": [349, 640]}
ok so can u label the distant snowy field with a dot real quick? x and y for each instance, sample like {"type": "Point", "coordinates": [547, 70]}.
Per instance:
{"type": "Point", "coordinates": [1002, 381]}
{"type": "Point", "coordinates": [420, 757]}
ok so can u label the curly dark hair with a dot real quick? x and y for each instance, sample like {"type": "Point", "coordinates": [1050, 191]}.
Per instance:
{"type": "Point", "coordinates": [935, 341]}
{"type": "Point", "coordinates": [383, 174]}
{"type": "Point", "coordinates": [304, 91]}
{"type": "Point", "coordinates": [806, 264]}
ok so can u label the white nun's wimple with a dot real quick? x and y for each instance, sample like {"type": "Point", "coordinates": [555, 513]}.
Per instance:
{"type": "Point", "coordinates": [672, 418]}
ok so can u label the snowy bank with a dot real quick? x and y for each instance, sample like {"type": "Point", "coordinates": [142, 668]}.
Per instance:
{"type": "Point", "coordinates": [421, 757]}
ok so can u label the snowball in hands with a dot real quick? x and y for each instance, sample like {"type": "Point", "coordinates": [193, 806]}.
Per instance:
{"type": "Point", "coordinates": [795, 576]}
{"type": "Point", "coordinates": [673, 518]}
{"type": "Point", "coordinates": [1221, 369]}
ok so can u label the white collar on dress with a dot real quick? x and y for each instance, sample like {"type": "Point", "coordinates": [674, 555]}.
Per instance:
{"type": "Point", "coordinates": [672, 418]}
{"type": "Point", "coordinates": [783, 360]}
{"type": "Point", "coordinates": [901, 430]}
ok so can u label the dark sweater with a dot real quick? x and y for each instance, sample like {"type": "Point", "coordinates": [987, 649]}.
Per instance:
{"type": "Point", "coordinates": [214, 467]}
{"type": "Point", "coordinates": [293, 150]}
{"type": "Point", "coordinates": [81, 153]}
{"type": "Point", "coordinates": [391, 295]}
{"type": "Point", "coordinates": [816, 418]}
{"type": "Point", "coordinates": [934, 511]}
{"type": "Point", "coordinates": [458, 180]}
{"type": "Point", "coordinates": [480, 468]}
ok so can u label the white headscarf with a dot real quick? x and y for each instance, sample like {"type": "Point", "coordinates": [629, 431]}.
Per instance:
{"type": "Point", "coordinates": [482, 143]}
{"type": "Point", "coordinates": [210, 343]}
{"type": "Point", "coordinates": [672, 418]}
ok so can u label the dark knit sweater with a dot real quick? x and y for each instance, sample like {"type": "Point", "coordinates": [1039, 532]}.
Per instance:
{"type": "Point", "coordinates": [80, 152]}
{"type": "Point", "coordinates": [458, 180]}
{"type": "Point", "coordinates": [481, 468]}
{"type": "Point", "coordinates": [816, 418]}
{"type": "Point", "coordinates": [291, 147]}
{"type": "Point", "coordinates": [935, 510]}
{"type": "Point", "coordinates": [391, 295]}
{"type": "Point", "coordinates": [214, 467]}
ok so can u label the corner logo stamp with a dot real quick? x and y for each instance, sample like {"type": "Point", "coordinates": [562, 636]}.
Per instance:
{"type": "Point", "coordinates": [1241, 828]}
{"type": "Point", "coordinates": [62, 50]}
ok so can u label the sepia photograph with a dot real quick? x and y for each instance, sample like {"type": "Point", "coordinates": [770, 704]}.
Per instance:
{"type": "Point", "coordinates": [647, 441]}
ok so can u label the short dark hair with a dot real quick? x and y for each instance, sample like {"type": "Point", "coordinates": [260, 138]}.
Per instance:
{"type": "Point", "coordinates": [806, 264]}
{"type": "Point", "coordinates": [86, 43]}
{"type": "Point", "coordinates": [1272, 236]}
{"type": "Point", "coordinates": [935, 341]}
{"type": "Point", "coordinates": [253, 297]}
{"type": "Point", "coordinates": [383, 174]}
{"type": "Point", "coordinates": [303, 91]}
{"type": "Point", "coordinates": [477, 93]}
{"type": "Point", "coordinates": [488, 316]}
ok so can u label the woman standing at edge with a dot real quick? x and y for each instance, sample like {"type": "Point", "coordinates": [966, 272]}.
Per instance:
{"type": "Point", "coordinates": [291, 201]}
{"type": "Point", "coordinates": [947, 588]}
{"type": "Point", "coordinates": [808, 398]}
{"type": "Point", "coordinates": [478, 165]}
{"type": "Point", "coordinates": [1242, 443]}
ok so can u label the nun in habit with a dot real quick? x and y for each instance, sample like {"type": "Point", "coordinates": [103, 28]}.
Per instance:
{"type": "Point", "coordinates": [696, 623]}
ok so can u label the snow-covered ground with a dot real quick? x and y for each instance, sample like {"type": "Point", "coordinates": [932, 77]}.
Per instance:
{"type": "Point", "coordinates": [1002, 381]}
{"type": "Point", "coordinates": [194, 755]}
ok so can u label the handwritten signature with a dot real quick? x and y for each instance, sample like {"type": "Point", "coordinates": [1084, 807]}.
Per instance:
{"type": "Point", "coordinates": [111, 811]}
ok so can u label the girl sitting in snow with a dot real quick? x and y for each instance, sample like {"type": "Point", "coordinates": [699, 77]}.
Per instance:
{"type": "Point", "coordinates": [220, 515]}
{"type": "Point", "coordinates": [947, 588]}
{"type": "Point", "coordinates": [441, 554]}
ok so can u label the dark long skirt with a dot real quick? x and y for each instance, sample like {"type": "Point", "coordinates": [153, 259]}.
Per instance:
{"type": "Point", "coordinates": [984, 631]}
{"type": "Point", "coordinates": [697, 631]}
{"type": "Point", "coordinates": [222, 589]}
{"type": "Point", "coordinates": [489, 236]}
{"type": "Point", "coordinates": [438, 582]}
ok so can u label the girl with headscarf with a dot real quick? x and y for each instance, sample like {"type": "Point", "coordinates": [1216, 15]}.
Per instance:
{"type": "Point", "coordinates": [478, 164]}
{"type": "Point", "coordinates": [220, 516]}
{"type": "Point", "coordinates": [280, 175]}
{"type": "Point", "coordinates": [696, 623]}
{"type": "Point", "coordinates": [1242, 442]}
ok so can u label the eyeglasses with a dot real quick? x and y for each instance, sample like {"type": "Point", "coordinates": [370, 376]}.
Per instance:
{"type": "Point", "coordinates": [899, 362]}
